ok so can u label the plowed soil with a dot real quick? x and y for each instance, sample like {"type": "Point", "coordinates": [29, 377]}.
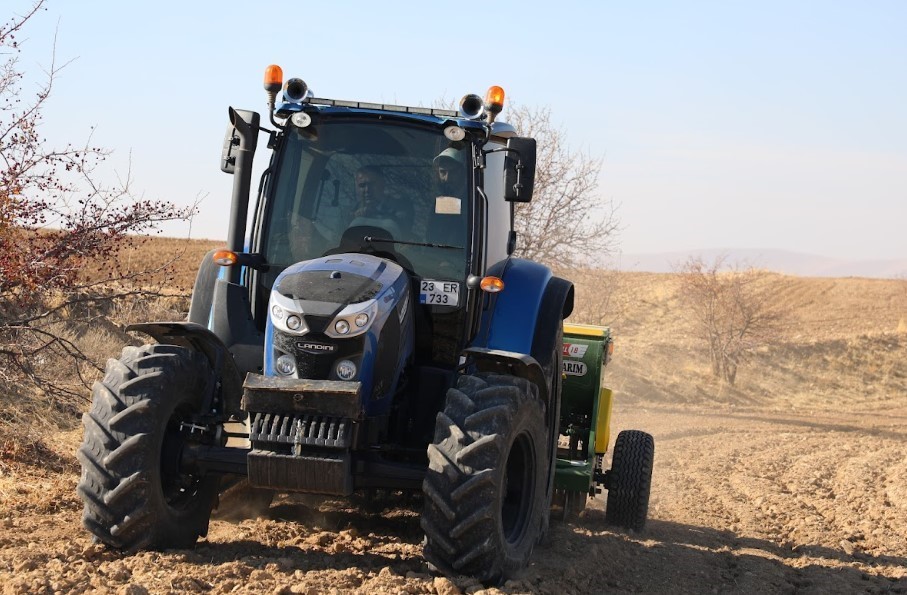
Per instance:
{"type": "Point", "coordinates": [795, 481]}
{"type": "Point", "coordinates": [742, 501]}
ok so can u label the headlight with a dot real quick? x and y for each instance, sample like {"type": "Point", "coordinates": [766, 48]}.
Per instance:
{"type": "Point", "coordinates": [346, 370]}
{"type": "Point", "coordinates": [353, 320]}
{"type": "Point", "coordinates": [286, 314]}
{"type": "Point", "coordinates": [286, 365]}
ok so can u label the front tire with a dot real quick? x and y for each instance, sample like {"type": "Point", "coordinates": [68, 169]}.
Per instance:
{"type": "Point", "coordinates": [485, 488]}
{"type": "Point", "coordinates": [135, 496]}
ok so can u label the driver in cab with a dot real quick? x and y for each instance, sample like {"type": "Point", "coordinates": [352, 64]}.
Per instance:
{"type": "Point", "coordinates": [376, 208]}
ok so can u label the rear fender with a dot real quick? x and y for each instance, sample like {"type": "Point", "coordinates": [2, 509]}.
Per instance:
{"type": "Point", "coordinates": [557, 304]}
{"type": "Point", "coordinates": [526, 316]}
{"type": "Point", "coordinates": [508, 318]}
{"type": "Point", "coordinates": [203, 291]}
{"type": "Point", "coordinates": [227, 394]}
{"type": "Point", "coordinates": [510, 363]}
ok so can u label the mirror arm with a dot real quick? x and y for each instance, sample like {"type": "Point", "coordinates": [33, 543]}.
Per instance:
{"type": "Point", "coordinates": [500, 150]}
{"type": "Point", "coordinates": [511, 236]}
{"type": "Point", "coordinates": [271, 108]}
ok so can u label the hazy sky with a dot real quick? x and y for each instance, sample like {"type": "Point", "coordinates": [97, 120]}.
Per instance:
{"type": "Point", "coordinates": [720, 124]}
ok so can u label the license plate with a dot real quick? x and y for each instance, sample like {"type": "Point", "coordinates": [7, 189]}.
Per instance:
{"type": "Point", "coordinates": [439, 293]}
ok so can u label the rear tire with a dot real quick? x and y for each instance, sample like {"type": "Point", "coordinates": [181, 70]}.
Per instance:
{"type": "Point", "coordinates": [134, 494]}
{"type": "Point", "coordinates": [486, 480]}
{"type": "Point", "coordinates": [630, 480]}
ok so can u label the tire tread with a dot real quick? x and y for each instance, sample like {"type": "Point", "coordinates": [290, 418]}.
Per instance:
{"type": "Point", "coordinates": [482, 415]}
{"type": "Point", "coordinates": [123, 505]}
{"type": "Point", "coordinates": [631, 468]}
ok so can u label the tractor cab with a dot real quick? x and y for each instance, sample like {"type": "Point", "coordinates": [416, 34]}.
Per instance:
{"type": "Point", "coordinates": [350, 183]}
{"type": "Point", "coordinates": [407, 185]}
{"type": "Point", "coordinates": [344, 184]}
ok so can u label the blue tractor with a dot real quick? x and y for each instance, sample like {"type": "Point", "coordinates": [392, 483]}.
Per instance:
{"type": "Point", "coordinates": [370, 329]}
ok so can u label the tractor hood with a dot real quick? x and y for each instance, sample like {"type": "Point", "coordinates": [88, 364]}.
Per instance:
{"type": "Point", "coordinates": [326, 286]}
{"type": "Point", "coordinates": [342, 317]}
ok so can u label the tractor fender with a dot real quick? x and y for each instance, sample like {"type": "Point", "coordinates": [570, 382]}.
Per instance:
{"type": "Point", "coordinates": [203, 291]}
{"type": "Point", "coordinates": [509, 363]}
{"type": "Point", "coordinates": [509, 317]}
{"type": "Point", "coordinates": [525, 316]}
{"type": "Point", "coordinates": [198, 338]}
{"type": "Point", "coordinates": [557, 304]}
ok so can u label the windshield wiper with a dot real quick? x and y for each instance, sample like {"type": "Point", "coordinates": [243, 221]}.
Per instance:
{"type": "Point", "coordinates": [374, 240]}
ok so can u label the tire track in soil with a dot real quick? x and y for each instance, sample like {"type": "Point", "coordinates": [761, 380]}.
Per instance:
{"type": "Point", "coordinates": [742, 502]}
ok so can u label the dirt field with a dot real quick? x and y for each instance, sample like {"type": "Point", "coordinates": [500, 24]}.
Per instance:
{"type": "Point", "coordinates": [743, 501]}
{"type": "Point", "coordinates": [793, 481]}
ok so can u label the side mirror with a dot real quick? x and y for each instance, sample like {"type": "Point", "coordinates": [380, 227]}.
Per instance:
{"type": "Point", "coordinates": [227, 158]}
{"type": "Point", "coordinates": [519, 169]}
{"type": "Point", "coordinates": [241, 121]}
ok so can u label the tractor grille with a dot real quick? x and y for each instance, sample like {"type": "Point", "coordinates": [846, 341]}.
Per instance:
{"type": "Point", "coordinates": [295, 431]}
{"type": "Point", "coordinates": [317, 364]}
{"type": "Point", "coordinates": [309, 365]}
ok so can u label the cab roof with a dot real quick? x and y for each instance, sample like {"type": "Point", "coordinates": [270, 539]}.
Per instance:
{"type": "Point", "coordinates": [424, 115]}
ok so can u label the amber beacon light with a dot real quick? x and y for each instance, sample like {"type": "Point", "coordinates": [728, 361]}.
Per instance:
{"type": "Point", "coordinates": [494, 99]}
{"type": "Point", "coordinates": [494, 103]}
{"type": "Point", "coordinates": [273, 78]}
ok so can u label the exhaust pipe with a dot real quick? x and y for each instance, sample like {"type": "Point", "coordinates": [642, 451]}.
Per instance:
{"type": "Point", "coordinates": [245, 126]}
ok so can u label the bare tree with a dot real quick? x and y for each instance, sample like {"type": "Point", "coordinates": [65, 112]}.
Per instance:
{"type": "Point", "coordinates": [732, 309]}
{"type": "Point", "coordinates": [603, 296]}
{"type": "Point", "coordinates": [568, 223]}
{"type": "Point", "coordinates": [58, 226]}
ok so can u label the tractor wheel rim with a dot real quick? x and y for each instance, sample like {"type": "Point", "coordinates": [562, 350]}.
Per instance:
{"type": "Point", "coordinates": [517, 494]}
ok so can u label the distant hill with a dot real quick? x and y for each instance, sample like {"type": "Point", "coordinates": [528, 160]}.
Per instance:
{"type": "Point", "coordinates": [781, 261]}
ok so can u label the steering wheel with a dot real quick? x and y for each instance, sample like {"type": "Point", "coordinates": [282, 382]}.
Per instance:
{"type": "Point", "coordinates": [353, 240]}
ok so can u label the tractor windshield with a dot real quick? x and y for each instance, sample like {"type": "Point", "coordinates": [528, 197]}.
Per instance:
{"type": "Point", "coordinates": [371, 186]}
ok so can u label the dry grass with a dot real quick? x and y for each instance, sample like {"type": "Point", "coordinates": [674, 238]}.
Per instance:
{"type": "Point", "coordinates": [97, 330]}
{"type": "Point", "coordinates": [843, 343]}
{"type": "Point", "coordinates": [177, 259]}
